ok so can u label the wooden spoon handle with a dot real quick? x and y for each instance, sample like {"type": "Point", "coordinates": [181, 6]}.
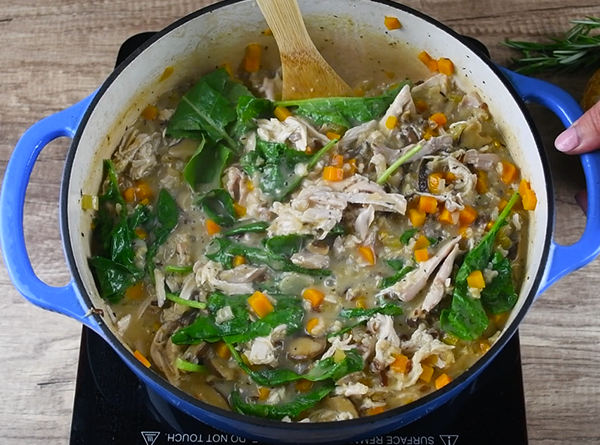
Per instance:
{"type": "Point", "coordinates": [285, 21]}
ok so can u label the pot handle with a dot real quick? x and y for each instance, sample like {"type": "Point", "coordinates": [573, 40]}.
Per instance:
{"type": "Point", "coordinates": [565, 259]}
{"type": "Point", "coordinates": [64, 299]}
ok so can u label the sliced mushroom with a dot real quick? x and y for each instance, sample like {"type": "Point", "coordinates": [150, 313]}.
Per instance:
{"type": "Point", "coordinates": [220, 366]}
{"type": "Point", "coordinates": [318, 247]}
{"type": "Point", "coordinates": [306, 348]}
{"type": "Point", "coordinates": [164, 352]}
{"type": "Point", "coordinates": [195, 352]}
{"type": "Point", "coordinates": [342, 405]}
{"type": "Point", "coordinates": [208, 394]}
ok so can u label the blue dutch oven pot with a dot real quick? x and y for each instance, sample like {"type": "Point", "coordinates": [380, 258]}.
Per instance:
{"type": "Point", "coordinates": [195, 38]}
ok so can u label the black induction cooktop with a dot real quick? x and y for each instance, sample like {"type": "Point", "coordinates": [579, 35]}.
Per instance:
{"type": "Point", "coordinates": [112, 406]}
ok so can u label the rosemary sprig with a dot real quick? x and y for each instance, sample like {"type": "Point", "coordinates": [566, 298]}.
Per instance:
{"type": "Point", "coordinates": [577, 49]}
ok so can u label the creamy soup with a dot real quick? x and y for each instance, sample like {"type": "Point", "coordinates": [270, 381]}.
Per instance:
{"type": "Point", "coordinates": [311, 260]}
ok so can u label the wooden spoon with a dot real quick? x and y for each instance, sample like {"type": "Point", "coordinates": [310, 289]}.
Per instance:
{"type": "Point", "coordinates": [305, 73]}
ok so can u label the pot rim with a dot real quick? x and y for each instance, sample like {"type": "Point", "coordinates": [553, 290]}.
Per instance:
{"type": "Point", "coordinates": [149, 374]}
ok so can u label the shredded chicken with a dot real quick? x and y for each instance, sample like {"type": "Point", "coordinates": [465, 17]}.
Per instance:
{"type": "Point", "coordinates": [209, 275]}
{"type": "Point", "coordinates": [415, 281]}
{"type": "Point", "coordinates": [481, 161]}
{"type": "Point", "coordinates": [438, 286]}
{"type": "Point", "coordinates": [402, 107]}
{"type": "Point", "coordinates": [382, 326]}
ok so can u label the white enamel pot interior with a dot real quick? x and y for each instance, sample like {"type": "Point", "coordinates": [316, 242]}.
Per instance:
{"type": "Point", "coordinates": [358, 45]}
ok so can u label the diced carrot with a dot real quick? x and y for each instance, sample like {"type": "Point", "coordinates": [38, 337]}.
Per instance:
{"type": "Point", "coordinates": [433, 65]}
{"type": "Point", "coordinates": [430, 361]}
{"type": "Point", "coordinates": [239, 210]}
{"type": "Point", "coordinates": [446, 66]}
{"type": "Point", "coordinates": [251, 62]}
{"type": "Point", "coordinates": [250, 185]}
{"type": "Point", "coordinates": [267, 32]}
{"type": "Point", "coordinates": [449, 177]}
{"type": "Point", "coordinates": [467, 215]}
{"type": "Point", "coordinates": [391, 122]}
{"type": "Point", "coordinates": [446, 217]}
{"type": "Point", "coordinates": [361, 303]}
{"type": "Point", "coordinates": [333, 174]}
{"type": "Point", "coordinates": [422, 243]}
{"type": "Point", "coordinates": [502, 204]}
{"type": "Point", "coordinates": [311, 325]}
{"type": "Point", "coordinates": [442, 381]}
{"type": "Point", "coordinates": [421, 105]}
{"type": "Point", "coordinates": [350, 168]}
{"type": "Point", "coordinates": [229, 70]}
{"type": "Point", "coordinates": [150, 113]}
{"type": "Point", "coordinates": [426, 374]}
{"type": "Point", "coordinates": [141, 358]}
{"type": "Point", "coordinates": [263, 393]}
{"type": "Point", "coordinates": [143, 191]}
{"type": "Point", "coordinates": [309, 150]}
{"type": "Point", "coordinates": [337, 160]}
{"type": "Point", "coordinates": [421, 255]}
{"type": "Point", "coordinates": [434, 182]}
{"type": "Point", "coordinates": [367, 253]}
{"type": "Point", "coordinates": [484, 346]}
{"type": "Point", "coordinates": [282, 113]}
{"type": "Point", "coordinates": [303, 385]}
{"type": "Point", "coordinates": [400, 363]}
{"type": "Point", "coordinates": [145, 201]}
{"type": "Point", "coordinates": [212, 228]}
{"type": "Point", "coordinates": [489, 225]}
{"type": "Point", "coordinates": [439, 118]}
{"type": "Point", "coordinates": [482, 183]}
{"type": "Point", "coordinates": [429, 133]}
{"type": "Point", "coordinates": [428, 204]}
{"type": "Point", "coordinates": [260, 304]}
{"type": "Point", "coordinates": [375, 410]}
{"type": "Point", "coordinates": [463, 230]}
{"type": "Point", "coordinates": [331, 135]}
{"type": "Point", "coordinates": [392, 23]}
{"type": "Point", "coordinates": [238, 260]}
{"type": "Point", "coordinates": [135, 292]}
{"type": "Point", "coordinates": [140, 233]}
{"type": "Point", "coordinates": [129, 194]}
{"type": "Point", "coordinates": [499, 320]}
{"type": "Point", "coordinates": [509, 172]}
{"type": "Point", "coordinates": [315, 296]}
{"type": "Point", "coordinates": [425, 57]}
{"type": "Point", "coordinates": [475, 279]}
{"type": "Point", "coordinates": [417, 217]}
{"type": "Point", "coordinates": [222, 350]}
{"type": "Point", "coordinates": [166, 73]}
{"type": "Point", "coordinates": [529, 200]}
{"type": "Point", "coordinates": [523, 185]}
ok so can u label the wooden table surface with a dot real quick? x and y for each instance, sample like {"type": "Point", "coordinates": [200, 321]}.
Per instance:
{"type": "Point", "coordinates": [55, 52]}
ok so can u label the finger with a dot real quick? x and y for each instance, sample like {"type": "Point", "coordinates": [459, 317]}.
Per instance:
{"type": "Point", "coordinates": [583, 136]}
{"type": "Point", "coordinates": [582, 199]}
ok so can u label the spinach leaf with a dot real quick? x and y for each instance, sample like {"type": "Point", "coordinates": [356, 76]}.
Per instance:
{"type": "Point", "coordinates": [208, 108]}
{"type": "Point", "coordinates": [500, 296]}
{"type": "Point", "coordinates": [291, 409]}
{"type": "Point", "coordinates": [239, 329]}
{"type": "Point", "coordinates": [113, 279]}
{"type": "Point", "coordinates": [322, 370]}
{"type": "Point", "coordinates": [167, 216]}
{"type": "Point", "coordinates": [248, 109]}
{"type": "Point", "coordinates": [388, 309]}
{"type": "Point", "coordinates": [276, 162]}
{"type": "Point", "coordinates": [218, 206]}
{"type": "Point", "coordinates": [112, 193]}
{"type": "Point", "coordinates": [466, 317]}
{"type": "Point", "coordinates": [406, 236]}
{"type": "Point", "coordinates": [254, 227]}
{"type": "Point", "coordinates": [207, 164]}
{"type": "Point", "coordinates": [346, 112]}
{"type": "Point", "coordinates": [285, 245]}
{"type": "Point", "coordinates": [401, 271]}
{"type": "Point", "coordinates": [223, 250]}
{"type": "Point", "coordinates": [364, 315]}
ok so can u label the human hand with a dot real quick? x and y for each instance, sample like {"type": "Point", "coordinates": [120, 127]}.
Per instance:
{"type": "Point", "coordinates": [581, 137]}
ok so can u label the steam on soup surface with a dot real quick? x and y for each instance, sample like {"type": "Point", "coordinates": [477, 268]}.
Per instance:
{"type": "Point", "coordinates": [312, 260]}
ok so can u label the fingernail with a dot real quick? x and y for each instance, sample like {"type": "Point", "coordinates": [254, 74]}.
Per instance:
{"type": "Point", "coordinates": [568, 140]}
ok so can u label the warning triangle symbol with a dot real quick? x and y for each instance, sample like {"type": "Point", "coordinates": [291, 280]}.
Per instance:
{"type": "Point", "coordinates": [449, 439]}
{"type": "Point", "coordinates": [150, 436]}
